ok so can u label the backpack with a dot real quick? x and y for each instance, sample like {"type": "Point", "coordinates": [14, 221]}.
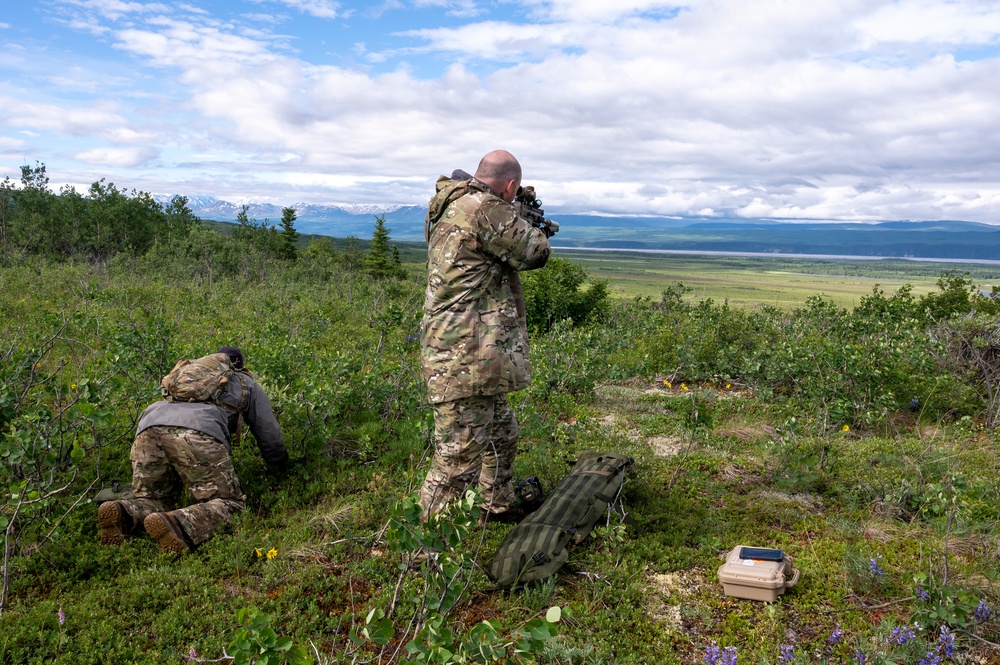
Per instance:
{"type": "Point", "coordinates": [536, 548]}
{"type": "Point", "coordinates": [198, 380]}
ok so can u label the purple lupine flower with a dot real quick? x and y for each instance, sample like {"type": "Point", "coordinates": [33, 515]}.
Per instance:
{"type": "Point", "coordinates": [930, 659]}
{"type": "Point", "coordinates": [946, 642]}
{"type": "Point", "coordinates": [729, 656]}
{"type": "Point", "coordinates": [62, 616]}
{"type": "Point", "coordinates": [860, 657]}
{"type": "Point", "coordinates": [836, 636]}
{"type": "Point", "coordinates": [901, 636]}
{"type": "Point", "coordinates": [192, 655]}
{"type": "Point", "coordinates": [712, 653]}
{"type": "Point", "coordinates": [983, 611]}
{"type": "Point", "coordinates": [922, 594]}
{"type": "Point", "coordinates": [787, 653]}
{"type": "Point", "coordinates": [873, 565]}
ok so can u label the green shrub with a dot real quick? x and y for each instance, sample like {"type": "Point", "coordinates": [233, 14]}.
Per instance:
{"type": "Point", "coordinates": [555, 293]}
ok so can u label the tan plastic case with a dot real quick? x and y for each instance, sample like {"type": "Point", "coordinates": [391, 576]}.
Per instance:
{"type": "Point", "coordinates": [754, 579]}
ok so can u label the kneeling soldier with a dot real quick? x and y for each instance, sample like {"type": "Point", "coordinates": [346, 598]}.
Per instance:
{"type": "Point", "coordinates": [184, 441]}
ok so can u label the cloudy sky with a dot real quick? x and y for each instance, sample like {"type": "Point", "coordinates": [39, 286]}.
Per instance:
{"type": "Point", "coordinates": [830, 109]}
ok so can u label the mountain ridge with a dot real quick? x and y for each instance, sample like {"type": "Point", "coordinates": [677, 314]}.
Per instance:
{"type": "Point", "coordinates": [953, 239]}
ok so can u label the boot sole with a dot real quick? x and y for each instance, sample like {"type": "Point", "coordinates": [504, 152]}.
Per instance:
{"type": "Point", "coordinates": [111, 523]}
{"type": "Point", "coordinates": [159, 527]}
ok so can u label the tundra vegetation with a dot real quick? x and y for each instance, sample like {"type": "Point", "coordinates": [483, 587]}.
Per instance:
{"type": "Point", "coordinates": [861, 441]}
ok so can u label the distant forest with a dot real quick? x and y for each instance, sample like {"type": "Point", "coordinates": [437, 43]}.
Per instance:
{"type": "Point", "coordinates": [108, 224]}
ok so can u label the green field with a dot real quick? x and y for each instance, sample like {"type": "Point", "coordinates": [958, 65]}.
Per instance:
{"type": "Point", "coordinates": [778, 281]}
{"type": "Point", "coordinates": [863, 442]}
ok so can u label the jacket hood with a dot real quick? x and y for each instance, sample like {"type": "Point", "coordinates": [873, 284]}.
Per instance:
{"type": "Point", "coordinates": [448, 190]}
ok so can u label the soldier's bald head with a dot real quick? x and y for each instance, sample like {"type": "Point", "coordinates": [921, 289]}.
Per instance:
{"type": "Point", "coordinates": [499, 169]}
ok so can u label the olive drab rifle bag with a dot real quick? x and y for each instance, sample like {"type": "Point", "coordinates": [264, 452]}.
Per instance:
{"type": "Point", "coordinates": [198, 380]}
{"type": "Point", "coordinates": [535, 549]}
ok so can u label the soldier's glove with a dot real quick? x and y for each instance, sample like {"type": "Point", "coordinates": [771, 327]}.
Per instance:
{"type": "Point", "coordinates": [280, 469]}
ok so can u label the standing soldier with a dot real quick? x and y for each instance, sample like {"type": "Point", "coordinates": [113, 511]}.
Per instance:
{"type": "Point", "coordinates": [474, 337]}
{"type": "Point", "coordinates": [184, 441]}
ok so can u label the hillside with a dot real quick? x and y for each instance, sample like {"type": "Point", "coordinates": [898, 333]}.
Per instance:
{"type": "Point", "coordinates": [861, 442]}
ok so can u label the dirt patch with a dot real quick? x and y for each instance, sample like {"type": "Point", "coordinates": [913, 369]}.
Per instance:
{"type": "Point", "coordinates": [670, 591]}
{"type": "Point", "coordinates": [808, 501]}
{"type": "Point", "coordinates": [609, 420]}
{"type": "Point", "coordinates": [666, 446]}
{"type": "Point", "coordinates": [480, 607]}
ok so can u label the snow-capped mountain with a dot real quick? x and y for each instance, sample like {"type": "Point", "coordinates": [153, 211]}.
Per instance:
{"type": "Point", "coordinates": [406, 222]}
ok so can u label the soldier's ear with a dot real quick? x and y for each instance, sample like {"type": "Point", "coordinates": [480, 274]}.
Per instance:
{"type": "Point", "coordinates": [510, 191]}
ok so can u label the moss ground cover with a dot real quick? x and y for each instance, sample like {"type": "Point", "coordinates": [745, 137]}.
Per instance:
{"type": "Point", "coordinates": [755, 428]}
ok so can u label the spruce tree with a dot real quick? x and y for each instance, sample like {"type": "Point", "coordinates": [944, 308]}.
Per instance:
{"type": "Point", "coordinates": [397, 263]}
{"type": "Point", "coordinates": [378, 262]}
{"type": "Point", "coordinates": [287, 249]}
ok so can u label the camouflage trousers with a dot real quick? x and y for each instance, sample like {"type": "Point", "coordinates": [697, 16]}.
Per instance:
{"type": "Point", "coordinates": [167, 459]}
{"type": "Point", "coordinates": [475, 441]}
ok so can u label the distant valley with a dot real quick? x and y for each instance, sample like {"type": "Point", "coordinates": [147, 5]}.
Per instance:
{"type": "Point", "coordinates": [917, 239]}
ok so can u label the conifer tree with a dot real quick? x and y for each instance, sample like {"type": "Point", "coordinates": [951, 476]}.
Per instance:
{"type": "Point", "coordinates": [287, 249]}
{"type": "Point", "coordinates": [378, 262]}
{"type": "Point", "coordinates": [397, 263]}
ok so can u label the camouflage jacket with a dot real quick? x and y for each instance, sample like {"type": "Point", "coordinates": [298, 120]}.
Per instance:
{"type": "Point", "coordinates": [244, 396]}
{"type": "Point", "coordinates": [474, 337]}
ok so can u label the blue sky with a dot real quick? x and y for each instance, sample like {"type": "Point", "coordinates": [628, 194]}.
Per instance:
{"type": "Point", "coordinates": [828, 109]}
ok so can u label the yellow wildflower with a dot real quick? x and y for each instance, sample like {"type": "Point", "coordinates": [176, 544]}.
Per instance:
{"type": "Point", "coordinates": [728, 386]}
{"type": "Point", "coordinates": [272, 553]}
{"type": "Point", "coordinates": [72, 386]}
{"type": "Point", "coordinates": [847, 428]}
{"type": "Point", "coordinates": [259, 553]}
{"type": "Point", "coordinates": [684, 387]}
{"type": "Point", "coordinates": [667, 384]}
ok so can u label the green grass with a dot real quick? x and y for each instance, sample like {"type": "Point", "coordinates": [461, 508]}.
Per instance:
{"type": "Point", "coordinates": [780, 282]}
{"type": "Point", "coordinates": [354, 419]}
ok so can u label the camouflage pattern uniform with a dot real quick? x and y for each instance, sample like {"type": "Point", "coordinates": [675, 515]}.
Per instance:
{"type": "Point", "coordinates": [165, 459]}
{"type": "Point", "coordinates": [186, 444]}
{"type": "Point", "coordinates": [474, 338]}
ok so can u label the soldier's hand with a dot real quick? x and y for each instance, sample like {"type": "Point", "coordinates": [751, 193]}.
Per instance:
{"type": "Point", "coordinates": [279, 470]}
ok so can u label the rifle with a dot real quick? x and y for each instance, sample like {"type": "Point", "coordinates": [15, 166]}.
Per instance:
{"type": "Point", "coordinates": [527, 206]}
{"type": "Point", "coordinates": [530, 208]}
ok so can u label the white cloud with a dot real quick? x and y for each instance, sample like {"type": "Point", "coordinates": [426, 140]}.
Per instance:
{"type": "Point", "coordinates": [177, 43]}
{"type": "Point", "coordinates": [492, 40]}
{"type": "Point", "coordinates": [77, 122]}
{"type": "Point", "coordinates": [317, 8]}
{"type": "Point", "coordinates": [116, 9]}
{"type": "Point", "coordinates": [130, 157]}
{"type": "Point", "coordinates": [905, 21]}
{"type": "Point", "coordinates": [834, 108]}
{"type": "Point", "coordinates": [604, 11]}
{"type": "Point", "coordinates": [9, 144]}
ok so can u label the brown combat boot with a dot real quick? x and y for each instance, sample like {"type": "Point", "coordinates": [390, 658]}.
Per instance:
{"type": "Point", "coordinates": [168, 532]}
{"type": "Point", "coordinates": [113, 522]}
